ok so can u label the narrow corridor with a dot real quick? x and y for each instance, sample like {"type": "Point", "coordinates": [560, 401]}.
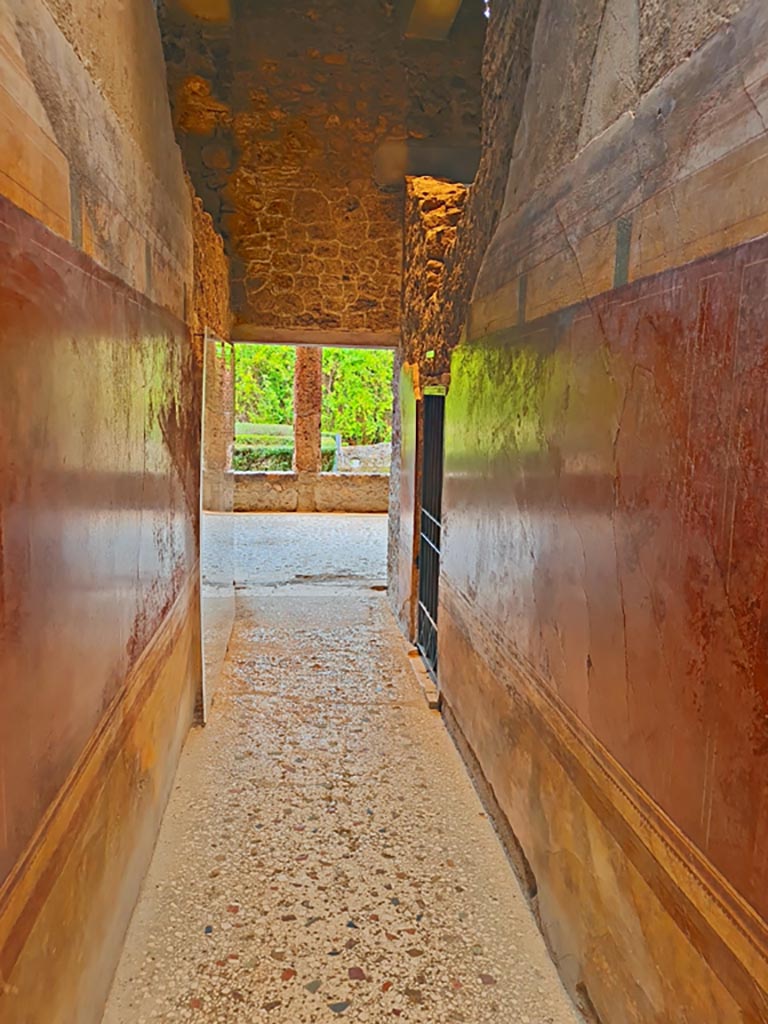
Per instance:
{"type": "Point", "coordinates": [324, 852]}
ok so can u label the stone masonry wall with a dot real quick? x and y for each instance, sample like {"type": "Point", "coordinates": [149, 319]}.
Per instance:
{"type": "Point", "coordinates": [210, 316]}
{"type": "Point", "coordinates": [280, 112]}
{"type": "Point", "coordinates": [210, 299]}
{"type": "Point", "coordinates": [432, 214]}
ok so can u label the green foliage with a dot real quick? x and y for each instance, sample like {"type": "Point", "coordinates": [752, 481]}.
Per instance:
{"type": "Point", "coordinates": [270, 453]}
{"type": "Point", "coordinates": [357, 394]}
{"type": "Point", "coordinates": [264, 383]}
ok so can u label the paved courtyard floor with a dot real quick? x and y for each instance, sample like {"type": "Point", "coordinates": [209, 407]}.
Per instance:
{"type": "Point", "coordinates": [324, 855]}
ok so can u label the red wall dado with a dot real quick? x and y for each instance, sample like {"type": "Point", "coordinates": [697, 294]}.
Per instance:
{"type": "Point", "coordinates": [605, 549]}
{"type": "Point", "coordinates": [99, 607]}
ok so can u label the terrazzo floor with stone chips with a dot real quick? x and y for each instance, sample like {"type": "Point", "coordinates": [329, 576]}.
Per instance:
{"type": "Point", "coordinates": [324, 854]}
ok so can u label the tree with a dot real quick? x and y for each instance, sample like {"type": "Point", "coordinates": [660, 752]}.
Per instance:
{"type": "Point", "coordinates": [357, 390]}
{"type": "Point", "coordinates": [357, 394]}
{"type": "Point", "coordinates": [264, 383]}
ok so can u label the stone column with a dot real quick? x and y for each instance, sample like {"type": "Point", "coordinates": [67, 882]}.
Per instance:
{"type": "Point", "coordinates": [218, 426]}
{"type": "Point", "coordinates": [307, 402]}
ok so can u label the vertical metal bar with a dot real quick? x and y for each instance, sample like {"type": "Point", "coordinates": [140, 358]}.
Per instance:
{"type": "Point", "coordinates": [430, 532]}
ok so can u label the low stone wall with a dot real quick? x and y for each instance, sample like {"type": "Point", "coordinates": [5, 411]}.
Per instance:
{"type": "Point", "coordinates": [311, 492]}
{"type": "Point", "coordinates": [352, 492]}
{"type": "Point", "coordinates": [266, 492]}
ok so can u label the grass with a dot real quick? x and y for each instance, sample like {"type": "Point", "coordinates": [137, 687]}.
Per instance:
{"type": "Point", "coordinates": [269, 448]}
{"type": "Point", "coordinates": [271, 430]}
{"type": "Point", "coordinates": [264, 429]}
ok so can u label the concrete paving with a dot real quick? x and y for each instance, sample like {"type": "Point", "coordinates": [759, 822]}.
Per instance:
{"type": "Point", "coordinates": [324, 854]}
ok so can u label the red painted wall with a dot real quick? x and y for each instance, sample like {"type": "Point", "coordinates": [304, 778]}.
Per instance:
{"type": "Point", "coordinates": [99, 479]}
{"type": "Point", "coordinates": [606, 490]}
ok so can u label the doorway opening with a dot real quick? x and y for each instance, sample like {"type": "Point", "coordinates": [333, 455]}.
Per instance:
{"type": "Point", "coordinates": [430, 528]}
{"type": "Point", "coordinates": [313, 428]}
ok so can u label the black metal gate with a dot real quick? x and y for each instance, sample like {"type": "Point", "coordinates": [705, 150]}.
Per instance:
{"type": "Point", "coordinates": [430, 526]}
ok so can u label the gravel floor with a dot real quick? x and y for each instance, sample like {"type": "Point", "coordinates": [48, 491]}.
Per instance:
{"type": "Point", "coordinates": [324, 855]}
